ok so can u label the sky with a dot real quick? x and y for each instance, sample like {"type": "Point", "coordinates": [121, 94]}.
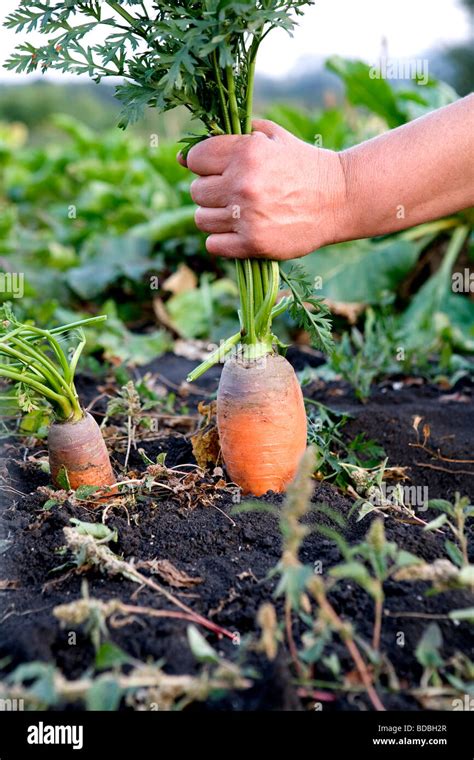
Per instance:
{"type": "Point", "coordinates": [351, 28]}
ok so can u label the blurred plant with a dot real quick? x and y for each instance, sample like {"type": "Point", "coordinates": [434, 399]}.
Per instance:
{"type": "Point", "coordinates": [325, 434]}
{"type": "Point", "coordinates": [455, 516]}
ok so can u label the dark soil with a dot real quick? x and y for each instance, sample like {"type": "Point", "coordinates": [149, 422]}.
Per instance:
{"type": "Point", "coordinates": [233, 556]}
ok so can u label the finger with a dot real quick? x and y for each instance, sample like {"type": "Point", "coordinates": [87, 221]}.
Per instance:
{"type": "Point", "coordinates": [181, 160]}
{"type": "Point", "coordinates": [229, 244]}
{"type": "Point", "coordinates": [269, 128]}
{"type": "Point", "coordinates": [209, 192]}
{"type": "Point", "coordinates": [214, 220]}
{"type": "Point", "coordinates": [212, 156]}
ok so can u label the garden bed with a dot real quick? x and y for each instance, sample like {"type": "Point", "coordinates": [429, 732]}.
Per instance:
{"type": "Point", "coordinates": [232, 554]}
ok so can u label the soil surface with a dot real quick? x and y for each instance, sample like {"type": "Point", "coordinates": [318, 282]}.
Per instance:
{"type": "Point", "coordinates": [233, 554]}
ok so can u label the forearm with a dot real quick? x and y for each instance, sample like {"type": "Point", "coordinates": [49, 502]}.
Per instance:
{"type": "Point", "coordinates": [413, 174]}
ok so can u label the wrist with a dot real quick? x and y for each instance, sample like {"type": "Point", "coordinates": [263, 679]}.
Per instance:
{"type": "Point", "coordinates": [336, 200]}
{"type": "Point", "coordinates": [347, 202]}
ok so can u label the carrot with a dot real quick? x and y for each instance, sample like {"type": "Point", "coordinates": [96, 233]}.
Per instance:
{"type": "Point", "coordinates": [79, 449]}
{"type": "Point", "coordinates": [41, 365]}
{"type": "Point", "coordinates": [261, 421]}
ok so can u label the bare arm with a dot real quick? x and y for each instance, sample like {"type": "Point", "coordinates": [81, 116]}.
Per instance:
{"type": "Point", "coordinates": [416, 173]}
{"type": "Point", "coordinates": [271, 195]}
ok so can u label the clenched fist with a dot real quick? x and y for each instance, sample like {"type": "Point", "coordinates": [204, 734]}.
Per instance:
{"type": "Point", "coordinates": [267, 194]}
{"type": "Point", "coordinates": [270, 195]}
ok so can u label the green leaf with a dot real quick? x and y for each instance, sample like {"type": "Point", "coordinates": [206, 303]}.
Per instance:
{"type": "Point", "coordinates": [441, 504]}
{"type": "Point", "coordinates": [49, 504]}
{"type": "Point", "coordinates": [293, 582]}
{"type": "Point", "coordinates": [427, 652]}
{"type": "Point", "coordinates": [99, 531]}
{"type": "Point", "coordinates": [104, 695]}
{"type": "Point", "coordinates": [426, 315]}
{"type": "Point", "coordinates": [366, 509]}
{"type": "Point", "coordinates": [63, 479]}
{"type": "Point", "coordinates": [454, 553]}
{"type": "Point", "coordinates": [354, 570]}
{"type": "Point", "coordinates": [105, 260]}
{"type": "Point", "coordinates": [85, 492]}
{"type": "Point", "coordinates": [109, 655]}
{"type": "Point", "coordinates": [406, 559]}
{"type": "Point", "coordinates": [202, 651]}
{"type": "Point", "coordinates": [362, 271]}
{"type": "Point", "coordinates": [362, 89]}
{"type": "Point", "coordinates": [465, 614]}
{"type": "Point", "coordinates": [436, 523]}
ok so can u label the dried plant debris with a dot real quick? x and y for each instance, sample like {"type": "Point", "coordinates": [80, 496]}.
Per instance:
{"type": "Point", "coordinates": [205, 442]}
{"type": "Point", "coordinates": [89, 552]}
{"type": "Point", "coordinates": [169, 574]}
{"type": "Point", "coordinates": [144, 687]}
{"type": "Point", "coordinates": [442, 573]}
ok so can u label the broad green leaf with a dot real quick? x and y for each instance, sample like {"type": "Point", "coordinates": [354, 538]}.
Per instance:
{"type": "Point", "coordinates": [362, 271]}
{"type": "Point", "coordinates": [105, 260]}
{"type": "Point", "coordinates": [362, 89]}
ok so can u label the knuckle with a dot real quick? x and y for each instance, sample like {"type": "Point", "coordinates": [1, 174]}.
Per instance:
{"type": "Point", "coordinates": [194, 189]}
{"type": "Point", "coordinates": [199, 218]}
{"type": "Point", "coordinates": [248, 189]}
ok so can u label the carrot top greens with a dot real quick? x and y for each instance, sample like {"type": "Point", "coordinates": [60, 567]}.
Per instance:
{"type": "Point", "coordinates": [42, 363]}
{"type": "Point", "coordinates": [200, 55]}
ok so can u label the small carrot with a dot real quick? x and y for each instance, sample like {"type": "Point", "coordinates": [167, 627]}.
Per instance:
{"type": "Point", "coordinates": [262, 422]}
{"type": "Point", "coordinates": [40, 366]}
{"type": "Point", "coordinates": [79, 449]}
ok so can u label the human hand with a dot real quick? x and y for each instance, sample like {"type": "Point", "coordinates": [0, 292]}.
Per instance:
{"type": "Point", "coordinates": [267, 194]}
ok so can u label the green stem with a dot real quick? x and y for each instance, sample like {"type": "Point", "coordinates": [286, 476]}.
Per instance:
{"type": "Point", "coordinates": [220, 87]}
{"type": "Point", "coordinates": [122, 12]}
{"type": "Point", "coordinates": [250, 302]}
{"type": "Point", "coordinates": [233, 105]}
{"type": "Point", "coordinates": [265, 275]}
{"type": "Point", "coordinates": [257, 283]}
{"type": "Point", "coordinates": [242, 285]}
{"type": "Point", "coordinates": [250, 86]}
{"type": "Point", "coordinates": [429, 228]}
{"type": "Point", "coordinates": [62, 402]}
{"type": "Point", "coordinates": [216, 357]}
{"type": "Point", "coordinates": [59, 353]}
{"type": "Point", "coordinates": [264, 316]}
{"type": "Point", "coordinates": [81, 323]}
{"type": "Point", "coordinates": [49, 371]}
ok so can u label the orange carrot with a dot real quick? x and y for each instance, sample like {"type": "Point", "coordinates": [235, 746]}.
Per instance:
{"type": "Point", "coordinates": [262, 423]}
{"type": "Point", "coordinates": [79, 449]}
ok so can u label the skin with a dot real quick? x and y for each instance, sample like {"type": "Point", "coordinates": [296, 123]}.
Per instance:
{"type": "Point", "coordinates": [262, 423]}
{"type": "Point", "coordinates": [271, 195]}
{"type": "Point", "coordinates": [80, 448]}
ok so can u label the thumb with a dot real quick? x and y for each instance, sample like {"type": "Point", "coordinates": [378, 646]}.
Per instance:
{"type": "Point", "coordinates": [270, 129]}
{"type": "Point", "coordinates": [181, 160]}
